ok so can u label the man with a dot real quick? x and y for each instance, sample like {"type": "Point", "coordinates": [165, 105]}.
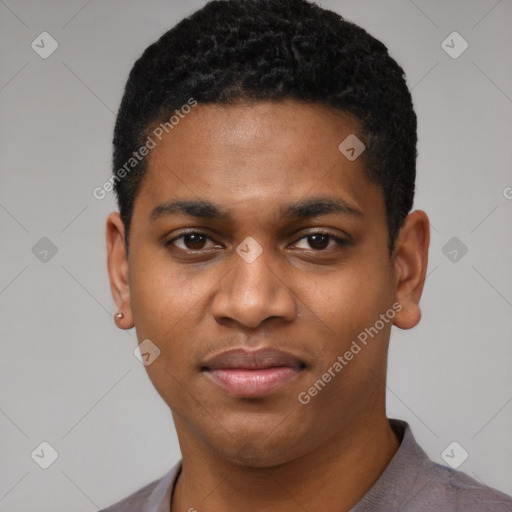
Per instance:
{"type": "Point", "coordinates": [264, 164]}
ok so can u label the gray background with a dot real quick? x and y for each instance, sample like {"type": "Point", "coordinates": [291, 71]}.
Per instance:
{"type": "Point", "coordinates": [69, 377]}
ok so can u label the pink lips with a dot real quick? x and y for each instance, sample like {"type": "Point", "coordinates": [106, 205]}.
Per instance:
{"type": "Point", "coordinates": [253, 373]}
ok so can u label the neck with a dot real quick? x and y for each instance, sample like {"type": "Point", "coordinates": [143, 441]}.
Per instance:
{"type": "Point", "coordinates": [333, 478]}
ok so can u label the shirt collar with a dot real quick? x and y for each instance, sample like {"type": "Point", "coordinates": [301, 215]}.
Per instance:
{"type": "Point", "coordinates": [407, 473]}
{"type": "Point", "coordinates": [401, 476]}
{"type": "Point", "coordinates": [160, 499]}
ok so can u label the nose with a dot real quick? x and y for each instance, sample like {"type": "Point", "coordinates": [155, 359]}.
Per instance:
{"type": "Point", "coordinates": [252, 292]}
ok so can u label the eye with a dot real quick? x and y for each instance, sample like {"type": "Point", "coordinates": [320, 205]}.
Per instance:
{"type": "Point", "coordinates": [190, 241]}
{"type": "Point", "coordinates": [321, 241]}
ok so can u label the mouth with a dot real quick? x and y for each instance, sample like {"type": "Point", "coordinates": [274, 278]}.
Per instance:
{"type": "Point", "coordinates": [254, 373]}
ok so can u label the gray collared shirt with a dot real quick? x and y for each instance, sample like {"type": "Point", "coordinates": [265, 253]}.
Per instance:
{"type": "Point", "coordinates": [410, 483]}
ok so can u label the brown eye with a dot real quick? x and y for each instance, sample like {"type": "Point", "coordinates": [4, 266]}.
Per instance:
{"type": "Point", "coordinates": [193, 241]}
{"type": "Point", "coordinates": [320, 241]}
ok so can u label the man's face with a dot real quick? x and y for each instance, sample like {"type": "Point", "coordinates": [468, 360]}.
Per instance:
{"type": "Point", "coordinates": [306, 294]}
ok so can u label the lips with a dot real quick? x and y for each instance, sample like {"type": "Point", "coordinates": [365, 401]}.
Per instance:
{"type": "Point", "coordinates": [252, 373]}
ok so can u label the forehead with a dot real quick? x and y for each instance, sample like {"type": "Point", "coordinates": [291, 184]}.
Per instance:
{"type": "Point", "coordinates": [261, 153]}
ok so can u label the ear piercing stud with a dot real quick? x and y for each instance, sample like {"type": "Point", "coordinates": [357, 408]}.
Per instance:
{"type": "Point", "coordinates": [119, 315]}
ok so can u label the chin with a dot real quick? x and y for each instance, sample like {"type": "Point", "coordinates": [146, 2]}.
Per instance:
{"type": "Point", "coordinates": [260, 444]}
{"type": "Point", "coordinates": [254, 455]}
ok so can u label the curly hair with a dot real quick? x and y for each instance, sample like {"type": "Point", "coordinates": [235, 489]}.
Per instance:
{"type": "Point", "coordinates": [272, 50]}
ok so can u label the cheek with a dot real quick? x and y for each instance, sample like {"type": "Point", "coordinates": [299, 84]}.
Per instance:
{"type": "Point", "coordinates": [155, 308]}
{"type": "Point", "coordinates": [165, 310]}
{"type": "Point", "coordinates": [347, 302]}
{"type": "Point", "coordinates": [161, 295]}
{"type": "Point", "coordinates": [170, 307]}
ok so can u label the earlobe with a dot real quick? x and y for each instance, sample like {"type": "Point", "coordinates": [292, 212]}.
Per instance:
{"type": "Point", "coordinates": [117, 265]}
{"type": "Point", "coordinates": [411, 259]}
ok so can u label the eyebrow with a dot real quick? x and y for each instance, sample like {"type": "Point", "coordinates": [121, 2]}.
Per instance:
{"type": "Point", "coordinates": [305, 209]}
{"type": "Point", "coordinates": [316, 206]}
{"type": "Point", "coordinates": [200, 209]}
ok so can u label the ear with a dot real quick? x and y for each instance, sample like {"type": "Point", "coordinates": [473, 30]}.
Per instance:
{"type": "Point", "coordinates": [411, 259]}
{"type": "Point", "coordinates": [117, 264]}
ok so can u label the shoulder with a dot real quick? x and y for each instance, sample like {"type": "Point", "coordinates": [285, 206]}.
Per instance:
{"type": "Point", "coordinates": [153, 497]}
{"type": "Point", "coordinates": [135, 501]}
{"type": "Point", "coordinates": [448, 490]}
{"type": "Point", "coordinates": [438, 488]}
{"type": "Point", "coordinates": [412, 482]}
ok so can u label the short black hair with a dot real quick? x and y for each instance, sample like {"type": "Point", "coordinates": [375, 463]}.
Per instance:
{"type": "Point", "coordinates": [272, 50]}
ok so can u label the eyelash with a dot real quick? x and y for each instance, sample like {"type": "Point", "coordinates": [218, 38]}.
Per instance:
{"type": "Point", "coordinates": [342, 242]}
